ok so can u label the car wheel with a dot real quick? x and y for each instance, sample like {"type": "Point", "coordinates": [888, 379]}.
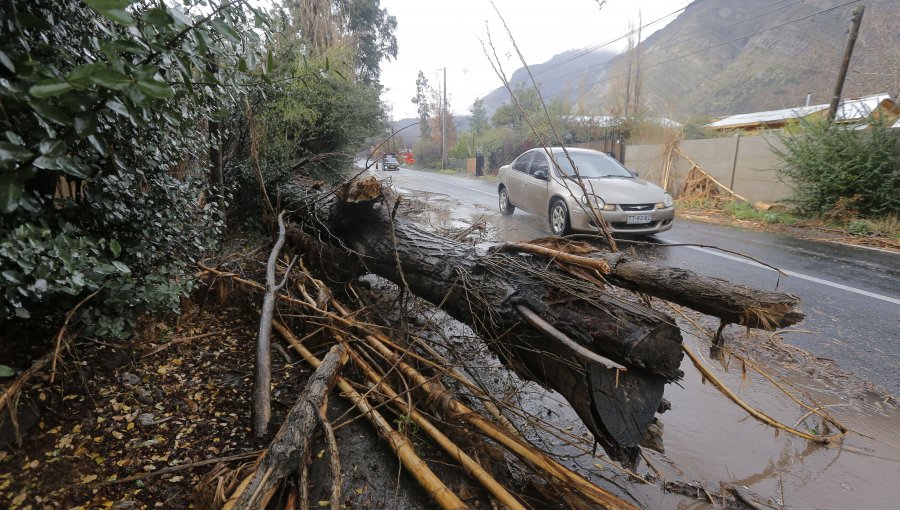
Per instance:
{"type": "Point", "coordinates": [506, 207]}
{"type": "Point", "coordinates": [559, 218]}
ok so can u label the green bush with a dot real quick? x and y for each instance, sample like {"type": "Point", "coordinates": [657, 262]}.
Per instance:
{"type": "Point", "coordinates": [114, 97]}
{"type": "Point", "coordinates": [832, 166]}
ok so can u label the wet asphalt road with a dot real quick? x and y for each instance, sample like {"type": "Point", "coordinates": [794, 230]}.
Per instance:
{"type": "Point", "coordinates": [851, 295]}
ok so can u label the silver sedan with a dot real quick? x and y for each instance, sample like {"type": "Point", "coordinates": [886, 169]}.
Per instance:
{"type": "Point", "coordinates": [548, 186]}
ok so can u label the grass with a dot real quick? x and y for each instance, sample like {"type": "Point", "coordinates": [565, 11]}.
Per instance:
{"type": "Point", "coordinates": [745, 211]}
{"type": "Point", "coordinates": [887, 226]}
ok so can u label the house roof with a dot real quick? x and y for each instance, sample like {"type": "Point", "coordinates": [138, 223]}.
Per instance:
{"type": "Point", "coordinates": [851, 109]}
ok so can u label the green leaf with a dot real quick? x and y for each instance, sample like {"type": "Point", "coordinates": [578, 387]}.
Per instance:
{"type": "Point", "coordinates": [99, 144]}
{"type": "Point", "coordinates": [115, 247]}
{"type": "Point", "coordinates": [157, 17]}
{"type": "Point", "coordinates": [11, 189]}
{"type": "Point", "coordinates": [180, 16]}
{"type": "Point", "coordinates": [81, 74]}
{"type": "Point", "coordinates": [65, 164]}
{"type": "Point", "coordinates": [6, 371]}
{"type": "Point", "coordinates": [111, 79]}
{"type": "Point", "coordinates": [14, 138]}
{"type": "Point", "coordinates": [85, 124]}
{"type": "Point", "coordinates": [113, 9]}
{"type": "Point", "coordinates": [49, 88]}
{"type": "Point", "coordinates": [7, 63]}
{"type": "Point", "coordinates": [51, 113]}
{"type": "Point", "coordinates": [14, 277]}
{"type": "Point", "coordinates": [121, 267]}
{"type": "Point", "coordinates": [52, 147]}
{"type": "Point", "coordinates": [226, 30]}
{"type": "Point", "coordinates": [157, 89]}
{"type": "Point", "coordinates": [10, 152]}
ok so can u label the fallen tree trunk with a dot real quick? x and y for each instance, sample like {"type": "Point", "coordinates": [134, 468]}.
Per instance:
{"type": "Point", "coordinates": [730, 302]}
{"type": "Point", "coordinates": [485, 290]}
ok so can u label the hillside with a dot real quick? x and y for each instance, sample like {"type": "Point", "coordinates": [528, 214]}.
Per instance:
{"type": "Point", "coordinates": [568, 75]}
{"type": "Point", "coordinates": [722, 57]}
{"type": "Point", "coordinates": [701, 63]}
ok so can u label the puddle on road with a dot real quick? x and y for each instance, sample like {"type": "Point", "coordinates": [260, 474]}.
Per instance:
{"type": "Point", "coordinates": [708, 439]}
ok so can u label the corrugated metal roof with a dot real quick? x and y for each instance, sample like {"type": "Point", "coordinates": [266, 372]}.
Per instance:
{"type": "Point", "coordinates": [851, 109]}
{"type": "Point", "coordinates": [744, 119]}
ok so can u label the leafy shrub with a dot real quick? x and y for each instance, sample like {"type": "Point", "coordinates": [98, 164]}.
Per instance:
{"type": "Point", "coordinates": [116, 99]}
{"type": "Point", "coordinates": [829, 164]}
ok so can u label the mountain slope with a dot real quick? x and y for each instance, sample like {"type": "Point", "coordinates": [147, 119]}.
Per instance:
{"type": "Point", "coordinates": [731, 56]}
{"type": "Point", "coordinates": [566, 76]}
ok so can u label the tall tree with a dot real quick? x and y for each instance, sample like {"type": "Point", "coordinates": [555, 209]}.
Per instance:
{"type": "Point", "coordinates": [424, 107]}
{"type": "Point", "coordinates": [479, 121]}
{"type": "Point", "coordinates": [371, 29]}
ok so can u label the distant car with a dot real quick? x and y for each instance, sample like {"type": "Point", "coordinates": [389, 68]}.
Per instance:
{"type": "Point", "coordinates": [390, 163]}
{"type": "Point", "coordinates": [534, 183]}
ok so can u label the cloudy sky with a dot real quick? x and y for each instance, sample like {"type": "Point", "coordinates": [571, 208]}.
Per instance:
{"type": "Point", "coordinates": [432, 35]}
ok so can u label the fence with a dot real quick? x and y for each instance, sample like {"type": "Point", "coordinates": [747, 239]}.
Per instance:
{"type": "Point", "coordinates": [746, 164]}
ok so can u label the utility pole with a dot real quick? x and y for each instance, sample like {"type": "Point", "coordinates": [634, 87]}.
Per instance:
{"type": "Point", "coordinates": [637, 73]}
{"type": "Point", "coordinates": [444, 125]}
{"type": "Point", "coordinates": [856, 19]}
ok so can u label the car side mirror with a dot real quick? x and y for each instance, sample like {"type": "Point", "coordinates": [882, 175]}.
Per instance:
{"type": "Point", "coordinates": [542, 175]}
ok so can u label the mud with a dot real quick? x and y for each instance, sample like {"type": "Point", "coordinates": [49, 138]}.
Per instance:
{"type": "Point", "coordinates": [708, 440]}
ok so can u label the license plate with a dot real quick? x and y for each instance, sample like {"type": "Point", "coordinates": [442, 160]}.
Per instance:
{"type": "Point", "coordinates": [637, 219]}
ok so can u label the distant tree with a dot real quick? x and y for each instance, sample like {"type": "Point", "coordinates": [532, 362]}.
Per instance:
{"type": "Point", "coordinates": [371, 29]}
{"type": "Point", "coordinates": [479, 122]}
{"type": "Point", "coordinates": [421, 100]}
{"type": "Point", "coordinates": [513, 113]}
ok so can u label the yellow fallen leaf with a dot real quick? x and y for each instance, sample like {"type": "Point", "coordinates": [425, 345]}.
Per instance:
{"type": "Point", "coordinates": [319, 455]}
{"type": "Point", "coordinates": [322, 502]}
{"type": "Point", "coordinates": [176, 479]}
{"type": "Point", "coordinates": [129, 426]}
{"type": "Point", "coordinates": [116, 434]}
{"type": "Point", "coordinates": [162, 370]}
{"type": "Point", "coordinates": [360, 490]}
{"type": "Point", "coordinates": [33, 464]}
{"type": "Point", "coordinates": [76, 429]}
{"type": "Point", "coordinates": [42, 396]}
{"type": "Point", "coordinates": [88, 478]}
{"type": "Point", "coordinates": [19, 499]}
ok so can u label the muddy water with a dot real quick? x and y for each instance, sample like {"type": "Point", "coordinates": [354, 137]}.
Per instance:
{"type": "Point", "coordinates": [708, 439]}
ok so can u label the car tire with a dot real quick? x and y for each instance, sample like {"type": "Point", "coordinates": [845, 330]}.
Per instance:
{"type": "Point", "coordinates": [506, 207]}
{"type": "Point", "coordinates": [559, 218]}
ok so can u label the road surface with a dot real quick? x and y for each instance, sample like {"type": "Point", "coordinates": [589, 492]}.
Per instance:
{"type": "Point", "coordinates": [851, 295]}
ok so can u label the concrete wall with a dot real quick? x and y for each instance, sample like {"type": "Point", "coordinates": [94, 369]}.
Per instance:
{"type": "Point", "coordinates": [746, 164]}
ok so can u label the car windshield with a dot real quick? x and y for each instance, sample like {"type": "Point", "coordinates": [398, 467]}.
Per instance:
{"type": "Point", "coordinates": [590, 165]}
{"type": "Point", "coordinates": [390, 159]}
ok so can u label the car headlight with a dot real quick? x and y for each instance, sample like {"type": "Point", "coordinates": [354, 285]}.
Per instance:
{"type": "Point", "coordinates": [599, 203]}
{"type": "Point", "coordinates": [667, 200]}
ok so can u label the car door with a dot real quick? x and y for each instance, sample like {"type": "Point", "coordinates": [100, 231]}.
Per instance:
{"type": "Point", "coordinates": [535, 184]}
{"type": "Point", "coordinates": [515, 180]}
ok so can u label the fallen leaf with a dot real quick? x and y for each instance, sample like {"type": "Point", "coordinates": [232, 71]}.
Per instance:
{"type": "Point", "coordinates": [117, 434]}
{"type": "Point", "coordinates": [322, 502]}
{"type": "Point", "coordinates": [88, 478]}
{"type": "Point", "coordinates": [176, 479]}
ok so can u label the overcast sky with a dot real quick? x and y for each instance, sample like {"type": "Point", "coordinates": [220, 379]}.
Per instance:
{"type": "Point", "coordinates": [432, 35]}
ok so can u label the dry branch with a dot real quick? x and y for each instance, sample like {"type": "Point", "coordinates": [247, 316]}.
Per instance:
{"type": "Point", "coordinates": [455, 409]}
{"type": "Point", "coordinates": [759, 415]}
{"type": "Point", "coordinates": [290, 445]}
{"type": "Point", "coordinates": [262, 381]}
{"type": "Point", "coordinates": [416, 467]}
